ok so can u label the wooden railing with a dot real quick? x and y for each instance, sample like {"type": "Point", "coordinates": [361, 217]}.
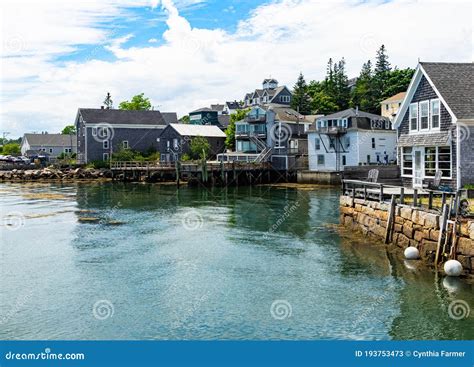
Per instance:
{"type": "Point", "coordinates": [186, 166]}
{"type": "Point", "coordinates": [432, 199]}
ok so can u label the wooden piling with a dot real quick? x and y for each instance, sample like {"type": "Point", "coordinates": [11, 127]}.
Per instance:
{"type": "Point", "coordinates": [442, 230]}
{"type": "Point", "coordinates": [390, 221]}
{"type": "Point", "coordinates": [402, 195]}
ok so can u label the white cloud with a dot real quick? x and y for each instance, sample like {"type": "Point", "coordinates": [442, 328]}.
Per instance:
{"type": "Point", "coordinates": [194, 67]}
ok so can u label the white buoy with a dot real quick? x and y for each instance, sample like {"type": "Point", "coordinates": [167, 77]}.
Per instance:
{"type": "Point", "coordinates": [411, 253]}
{"type": "Point", "coordinates": [453, 268]}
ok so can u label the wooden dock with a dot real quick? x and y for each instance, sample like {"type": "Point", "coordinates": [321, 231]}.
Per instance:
{"type": "Point", "coordinates": [210, 173]}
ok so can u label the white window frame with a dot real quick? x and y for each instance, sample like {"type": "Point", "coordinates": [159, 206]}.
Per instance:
{"type": "Point", "coordinates": [125, 144]}
{"type": "Point", "coordinates": [50, 150]}
{"type": "Point", "coordinates": [420, 109]}
{"type": "Point", "coordinates": [105, 156]}
{"type": "Point", "coordinates": [410, 117]}
{"type": "Point", "coordinates": [437, 162]}
{"type": "Point", "coordinates": [317, 143]}
{"type": "Point", "coordinates": [324, 160]}
{"type": "Point", "coordinates": [431, 114]}
{"type": "Point", "coordinates": [105, 144]}
{"type": "Point", "coordinates": [402, 157]}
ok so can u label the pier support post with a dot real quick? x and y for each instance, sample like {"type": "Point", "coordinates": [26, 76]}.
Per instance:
{"type": "Point", "coordinates": [391, 218]}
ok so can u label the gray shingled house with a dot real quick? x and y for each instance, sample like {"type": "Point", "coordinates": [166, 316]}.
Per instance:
{"type": "Point", "coordinates": [175, 140]}
{"type": "Point", "coordinates": [51, 144]}
{"type": "Point", "coordinates": [101, 132]}
{"type": "Point", "coordinates": [435, 125]}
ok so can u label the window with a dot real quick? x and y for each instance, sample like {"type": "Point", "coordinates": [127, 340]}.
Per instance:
{"type": "Point", "coordinates": [387, 125]}
{"type": "Point", "coordinates": [347, 142]}
{"type": "Point", "coordinates": [125, 144]}
{"type": "Point", "coordinates": [67, 150]}
{"type": "Point", "coordinates": [332, 143]}
{"type": "Point", "coordinates": [50, 150]}
{"type": "Point", "coordinates": [368, 158]}
{"type": "Point", "coordinates": [344, 160]}
{"type": "Point", "coordinates": [413, 116]}
{"type": "Point", "coordinates": [105, 144]}
{"type": "Point", "coordinates": [435, 114]}
{"type": "Point", "coordinates": [175, 143]}
{"type": "Point", "coordinates": [105, 156]}
{"type": "Point", "coordinates": [430, 161]}
{"type": "Point", "coordinates": [168, 144]}
{"type": "Point", "coordinates": [424, 115]}
{"type": "Point", "coordinates": [444, 160]}
{"type": "Point", "coordinates": [373, 143]}
{"type": "Point", "coordinates": [407, 161]}
{"type": "Point", "coordinates": [94, 131]}
{"type": "Point", "coordinates": [317, 144]}
{"type": "Point", "coordinates": [284, 98]}
{"type": "Point", "coordinates": [320, 159]}
{"type": "Point", "coordinates": [386, 107]}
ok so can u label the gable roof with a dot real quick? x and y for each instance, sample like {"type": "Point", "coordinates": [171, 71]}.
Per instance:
{"type": "Point", "coordinates": [452, 82]}
{"type": "Point", "coordinates": [209, 131]}
{"type": "Point", "coordinates": [233, 105]}
{"type": "Point", "coordinates": [203, 109]}
{"type": "Point", "coordinates": [115, 116]}
{"type": "Point", "coordinates": [217, 107]}
{"type": "Point", "coordinates": [50, 140]}
{"type": "Point", "coordinates": [395, 98]}
{"type": "Point", "coordinates": [455, 82]}
{"type": "Point", "coordinates": [223, 120]}
{"type": "Point", "coordinates": [278, 90]}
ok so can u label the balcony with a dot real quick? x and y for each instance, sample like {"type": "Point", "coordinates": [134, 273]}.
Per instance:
{"type": "Point", "coordinates": [256, 118]}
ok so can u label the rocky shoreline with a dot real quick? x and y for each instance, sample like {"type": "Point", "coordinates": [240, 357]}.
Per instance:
{"type": "Point", "coordinates": [56, 174]}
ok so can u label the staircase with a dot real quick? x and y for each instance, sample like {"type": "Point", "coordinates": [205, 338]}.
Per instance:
{"type": "Point", "coordinates": [265, 153]}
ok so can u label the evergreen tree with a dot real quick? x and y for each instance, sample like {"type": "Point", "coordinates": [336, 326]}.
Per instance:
{"type": "Point", "coordinates": [362, 94]}
{"type": "Point", "coordinates": [381, 76]}
{"type": "Point", "coordinates": [301, 100]}
{"type": "Point", "coordinates": [341, 85]}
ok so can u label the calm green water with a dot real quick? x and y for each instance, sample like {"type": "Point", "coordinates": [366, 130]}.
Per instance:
{"type": "Point", "coordinates": [246, 263]}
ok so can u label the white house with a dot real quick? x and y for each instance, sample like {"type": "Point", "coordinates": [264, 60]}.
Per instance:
{"type": "Point", "coordinates": [52, 144]}
{"type": "Point", "coordinates": [350, 138]}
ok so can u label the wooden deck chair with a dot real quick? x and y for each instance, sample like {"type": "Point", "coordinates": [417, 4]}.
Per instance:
{"type": "Point", "coordinates": [435, 184]}
{"type": "Point", "coordinates": [373, 175]}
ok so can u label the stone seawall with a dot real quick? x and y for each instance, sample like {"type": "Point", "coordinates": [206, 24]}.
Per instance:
{"type": "Point", "coordinates": [411, 227]}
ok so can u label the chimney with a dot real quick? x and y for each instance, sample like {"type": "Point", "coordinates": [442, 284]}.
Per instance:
{"type": "Point", "coordinates": [357, 110]}
{"type": "Point", "coordinates": [101, 107]}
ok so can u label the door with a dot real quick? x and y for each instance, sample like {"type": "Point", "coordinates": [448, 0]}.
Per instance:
{"type": "Point", "coordinates": [418, 167]}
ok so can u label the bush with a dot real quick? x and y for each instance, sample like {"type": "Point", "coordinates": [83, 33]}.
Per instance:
{"type": "Point", "coordinates": [98, 164]}
{"type": "Point", "coordinates": [185, 157]}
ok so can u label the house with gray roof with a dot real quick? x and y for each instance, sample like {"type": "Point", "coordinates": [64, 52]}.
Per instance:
{"type": "Point", "coordinates": [270, 93]}
{"type": "Point", "coordinates": [350, 138]}
{"type": "Point", "coordinates": [175, 140]}
{"type": "Point", "coordinates": [435, 126]}
{"type": "Point", "coordinates": [101, 132]}
{"type": "Point", "coordinates": [51, 145]}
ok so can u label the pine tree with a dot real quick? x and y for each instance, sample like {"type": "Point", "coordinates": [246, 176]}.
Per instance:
{"type": "Point", "coordinates": [381, 76]}
{"type": "Point", "coordinates": [301, 100]}
{"type": "Point", "coordinates": [362, 94]}
{"type": "Point", "coordinates": [341, 85]}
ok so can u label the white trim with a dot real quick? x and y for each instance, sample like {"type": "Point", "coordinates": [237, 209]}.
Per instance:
{"type": "Point", "coordinates": [104, 143]}
{"type": "Point", "coordinates": [458, 158]}
{"type": "Point", "coordinates": [420, 109]}
{"type": "Point", "coordinates": [123, 144]}
{"type": "Point", "coordinates": [94, 131]}
{"type": "Point", "coordinates": [410, 117]}
{"type": "Point", "coordinates": [431, 115]}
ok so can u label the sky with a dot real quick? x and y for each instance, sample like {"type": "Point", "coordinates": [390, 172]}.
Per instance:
{"type": "Point", "coordinates": [58, 56]}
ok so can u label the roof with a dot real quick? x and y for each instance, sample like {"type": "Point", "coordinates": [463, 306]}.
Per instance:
{"type": "Point", "coordinates": [287, 114]}
{"type": "Point", "coordinates": [233, 105]}
{"type": "Point", "coordinates": [270, 80]}
{"type": "Point", "coordinates": [279, 90]}
{"type": "Point", "coordinates": [352, 112]}
{"type": "Point", "coordinates": [217, 107]}
{"type": "Point", "coordinates": [224, 120]}
{"type": "Point", "coordinates": [115, 116]}
{"type": "Point", "coordinates": [395, 98]}
{"type": "Point", "coordinates": [210, 131]}
{"type": "Point", "coordinates": [455, 83]}
{"type": "Point", "coordinates": [170, 117]}
{"type": "Point", "coordinates": [203, 109]}
{"type": "Point", "coordinates": [51, 140]}
{"type": "Point", "coordinates": [438, 139]}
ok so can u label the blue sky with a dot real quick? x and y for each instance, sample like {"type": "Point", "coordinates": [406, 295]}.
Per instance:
{"type": "Point", "coordinates": [58, 56]}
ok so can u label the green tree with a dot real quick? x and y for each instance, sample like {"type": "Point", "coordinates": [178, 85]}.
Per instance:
{"type": "Point", "coordinates": [200, 147]}
{"type": "Point", "coordinates": [138, 102]}
{"type": "Point", "coordinates": [184, 119]}
{"type": "Point", "coordinates": [362, 94]}
{"type": "Point", "coordinates": [11, 149]}
{"type": "Point", "coordinates": [398, 81]}
{"type": "Point", "coordinates": [301, 101]}
{"type": "Point", "coordinates": [69, 130]}
{"type": "Point", "coordinates": [230, 131]}
{"type": "Point", "coordinates": [341, 92]}
{"type": "Point", "coordinates": [381, 75]}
